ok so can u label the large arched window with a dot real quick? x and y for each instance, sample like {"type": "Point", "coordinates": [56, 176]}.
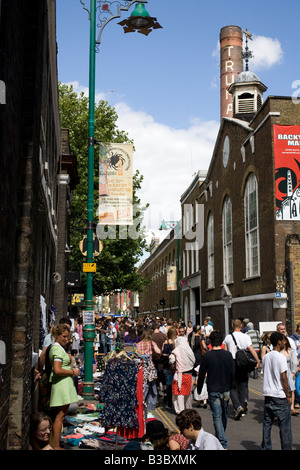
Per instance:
{"type": "Point", "coordinates": [210, 253]}
{"type": "Point", "coordinates": [227, 241]}
{"type": "Point", "coordinates": [251, 227]}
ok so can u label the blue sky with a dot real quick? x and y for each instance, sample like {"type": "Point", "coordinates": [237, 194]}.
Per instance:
{"type": "Point", "coordinates": [167, 90]}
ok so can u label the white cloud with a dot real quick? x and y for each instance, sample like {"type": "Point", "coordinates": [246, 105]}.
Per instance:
{"type": "Point", "coordinates": [168, 158]}
{"type": "Point", "coordinates": [267, 52]}
{"type": "Point", "coordinates": [85, 89]}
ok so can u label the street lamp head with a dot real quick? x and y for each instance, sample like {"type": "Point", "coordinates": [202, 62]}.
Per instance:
{"type": "Point", "coordinates": [140, 21]}
{"type": "Point", "coordinates": [163, 226]}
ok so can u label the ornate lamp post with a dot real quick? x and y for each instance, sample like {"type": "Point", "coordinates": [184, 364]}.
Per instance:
{"type": "Point", "coordinates": [140, 21]}
{"type": "Point", "coordinates": [166, 225]}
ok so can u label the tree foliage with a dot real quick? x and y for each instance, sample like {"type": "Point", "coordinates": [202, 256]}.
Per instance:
{"type": "Point", "coordinates": [116, 265]}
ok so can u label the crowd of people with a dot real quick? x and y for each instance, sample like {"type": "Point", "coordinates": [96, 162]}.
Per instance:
{"type": "Point", "coordinates": [191, 362]}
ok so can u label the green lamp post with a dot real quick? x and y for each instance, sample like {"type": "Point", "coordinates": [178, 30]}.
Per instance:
{"type": "Point", "coordinates": [104, 11]}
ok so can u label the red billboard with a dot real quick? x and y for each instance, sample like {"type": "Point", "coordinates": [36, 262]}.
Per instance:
{"type": "Point", "coordinates": [287, 171]}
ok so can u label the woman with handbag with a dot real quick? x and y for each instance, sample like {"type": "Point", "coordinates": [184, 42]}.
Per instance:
{"type": "Point", "coordinates": [63, 391]}
{"type": "Point", "coordinates": [182, 359]}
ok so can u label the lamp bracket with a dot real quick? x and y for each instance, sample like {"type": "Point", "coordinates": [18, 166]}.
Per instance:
{"type": "Point", "coordinates": [108, 10]}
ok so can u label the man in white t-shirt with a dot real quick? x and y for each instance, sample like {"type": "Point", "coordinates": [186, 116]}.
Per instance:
{"type": "Point", "coordinates": [206, 329]}
{"type": "Point", "coordinates": [239, 392]}
{"type": "Point", "coordinates": [277, 395]}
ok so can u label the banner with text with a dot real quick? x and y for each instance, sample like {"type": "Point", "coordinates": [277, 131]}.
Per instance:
{"type": "Point", "coordinates": [287, 171]}
{"type": "Point", "coordinates": [115, 184]}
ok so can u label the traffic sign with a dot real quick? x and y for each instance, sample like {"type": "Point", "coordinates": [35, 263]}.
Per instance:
{"type": "Point", "coordinates": [89, 267]}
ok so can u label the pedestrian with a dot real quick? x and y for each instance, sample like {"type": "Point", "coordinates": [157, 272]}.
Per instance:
{"type": "Point", "coordinates": [182, 359]}
{"type": "Point", "coordinates": [146, 346]}
{"type": "Point", "coordinates": [245, 322]}
{"type": "Point", "coordinates": [63, 391]}
{"type": "Point", "coordinates": [111, 337]}
{"type": "Point", "coordinates": [40, 432]}
{"type": "Point", "coordinates": [159, 338]}
{"type": "Point", "coordinates": [218, 369]}
{"type": "Point", "coordinates": [296, 338]}
{"type": "Point", "coordinates": [49, 341]}
{"type": "Point", "coordinates": [167, 349]}
{"type": "Point", "coordinates": [266, 344]}
{"type": "Point", "coordinates": [163, 328]}
{"type": "Point", "coordinates": [190, 425]}
{"type": "Point", "coordinates": [198, 345]}
{"type": "Point", "coordinates": [293, 363]}
{"type": "Point", "coordinates": [281, 328]}
{"type": "Point", "coordinates": [206, 330]}
{"type": "Point", "coordinates": [189, 329]}
{"type": "Point", "coordinates": [256, 343]}
{"type": "Point", "coordinates": [132, 337]}
{"type": "Point", "coordinates": [239, 391]}
{"type": "Point", "coordinates": [277, 395]}
{"type": "Point", "coordinates": [181, 331]}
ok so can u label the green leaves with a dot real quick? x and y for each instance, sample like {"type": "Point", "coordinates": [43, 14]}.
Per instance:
{"type": "Point", "coordinates": [116, 265]}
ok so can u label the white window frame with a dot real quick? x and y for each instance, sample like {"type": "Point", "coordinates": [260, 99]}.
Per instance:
{"type": "Point", "coordinates": [251, 227]}
{"type": "Point", "coordinates": [210, 253]}
{"type": "Point", "coordinates": [227, 241]}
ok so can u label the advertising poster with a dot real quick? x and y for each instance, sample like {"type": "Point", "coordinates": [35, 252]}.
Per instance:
{"type": "Point", "coordinates": [171, 278]}
{"type": "Point", "coordinates": [287, 171]}
{"type": "Point", "coordinates": [115, 184]}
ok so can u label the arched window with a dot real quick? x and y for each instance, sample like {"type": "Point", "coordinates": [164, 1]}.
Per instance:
{"type": "Point", "coordinates": [251, 227]}
{"type": "Point", "coordinates": [210, 253]}
{"type": "Point", "coordinates": [227, 241]}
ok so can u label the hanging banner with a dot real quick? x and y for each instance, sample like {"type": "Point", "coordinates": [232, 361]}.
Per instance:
{"type": "Point", "coordinates": [115, 184]}
{"type": "Point", "coordinates": [171, 278]}
{"type": "Point", "coordinates": [287, 171]}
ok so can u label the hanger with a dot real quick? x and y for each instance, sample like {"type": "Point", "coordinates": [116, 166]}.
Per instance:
{"type": "Point", "coordinates": [123, 353]}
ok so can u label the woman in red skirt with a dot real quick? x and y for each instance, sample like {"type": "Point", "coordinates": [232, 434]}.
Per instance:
{"type": "Point", "coordinates": [182, 359]}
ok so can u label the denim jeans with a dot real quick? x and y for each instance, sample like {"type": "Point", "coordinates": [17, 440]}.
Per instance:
{"type": "Point", "coordinates": [280, 408]}
{"type": "Point", "coordinates": [150, 395]}
{"type": "Point", "coordinates": [218, 402]}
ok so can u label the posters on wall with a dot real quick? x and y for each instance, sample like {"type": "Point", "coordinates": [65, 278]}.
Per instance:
{"type": "Point", "coordinates": [115, 184]}
{"type": "Point", "coordinates": [171, 278]}
{"type": "Point", "coordinates": [287, 171]}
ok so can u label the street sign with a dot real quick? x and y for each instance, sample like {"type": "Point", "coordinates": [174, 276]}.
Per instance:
{"type": "Point", "coordinates": [97, 246]}
{"type": "Point", "coordinates": [89, 267]}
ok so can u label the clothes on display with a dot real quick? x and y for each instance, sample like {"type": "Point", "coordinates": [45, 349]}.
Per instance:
{"type": "Point", "coordinates": [120, 415]}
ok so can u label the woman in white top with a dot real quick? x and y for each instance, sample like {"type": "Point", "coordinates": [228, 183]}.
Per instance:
{"type": "Point", "coordinates": [292, 362]}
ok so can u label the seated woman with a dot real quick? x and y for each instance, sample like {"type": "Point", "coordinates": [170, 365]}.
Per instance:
{"type": "Point", "coordinates": [40, 432]}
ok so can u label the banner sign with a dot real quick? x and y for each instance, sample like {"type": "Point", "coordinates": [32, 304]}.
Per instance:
{"type": "Point", "coordinates": [171, 278]}
{"type": "Point", "coordinates": [287, 171]}
{"type": "Point", "coordinates": [115, 184]}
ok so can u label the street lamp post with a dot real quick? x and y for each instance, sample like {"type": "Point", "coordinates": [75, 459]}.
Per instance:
{"type": "Point", "coordinates": [140, 21]}
{"type": "Point", "coordinates": [165, 225]}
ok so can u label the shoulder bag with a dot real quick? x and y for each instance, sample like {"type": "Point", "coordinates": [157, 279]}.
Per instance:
{"type": "Point", "coordinates": [243, 358]}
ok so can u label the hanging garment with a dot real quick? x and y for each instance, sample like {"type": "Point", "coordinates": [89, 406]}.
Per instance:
{"type": "Point", "coordinates": [118, 393]}
{"type": "Point", "coordinates": [130, 433]}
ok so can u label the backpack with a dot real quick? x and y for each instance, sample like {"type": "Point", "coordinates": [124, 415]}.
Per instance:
{"type": "Point", "coordinates": [244, 359]}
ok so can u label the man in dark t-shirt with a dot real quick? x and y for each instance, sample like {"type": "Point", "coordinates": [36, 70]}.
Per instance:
{"type": "Point", "coordinates": [218, 369]}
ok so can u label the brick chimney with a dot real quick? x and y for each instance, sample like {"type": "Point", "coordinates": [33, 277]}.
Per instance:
{"type": "Point", "coordinates": [231, 45]}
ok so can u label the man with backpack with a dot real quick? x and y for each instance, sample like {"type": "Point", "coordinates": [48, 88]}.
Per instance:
{"type": "Point", "coordinates": [239, 392]}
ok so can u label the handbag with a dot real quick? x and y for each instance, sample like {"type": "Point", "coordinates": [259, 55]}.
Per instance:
{"type": "Point", "coordinates": [297, 385]}
{"type": "Point", "coordinates": [244, 359]}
